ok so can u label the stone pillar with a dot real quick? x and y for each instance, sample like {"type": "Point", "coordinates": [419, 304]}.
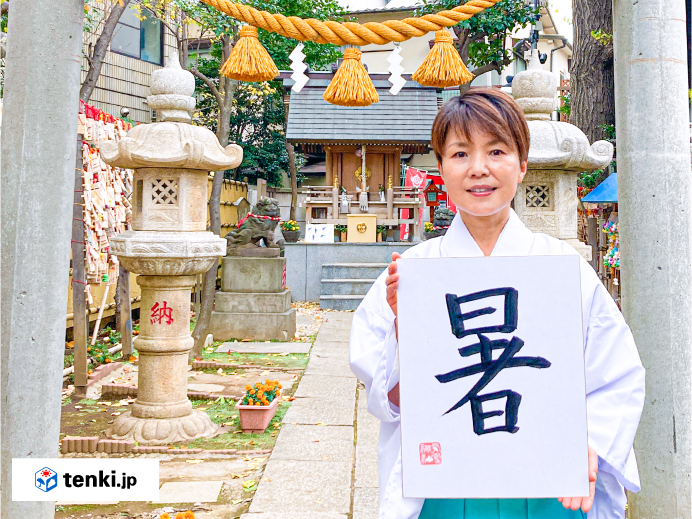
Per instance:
{"type": "Point", "coordinates": [168, 246]}
{"type": "Point", "coordinates": [653, 140]}
{"type": "Point", "coordinates": [38, 143]}
{"type": "Point", "coordinates": [546, 200]}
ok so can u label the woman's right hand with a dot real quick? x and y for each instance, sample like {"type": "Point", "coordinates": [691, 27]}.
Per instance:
{"type": "Point", "coordinates": [392, 282]}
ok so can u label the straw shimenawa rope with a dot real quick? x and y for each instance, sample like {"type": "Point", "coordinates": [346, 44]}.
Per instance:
{"type": "Point", "coordinates": [443, 67]}
{"type": "Point", "coordinates": [351, 85]}
{"type": "Point", "coordinates": [350, 33]}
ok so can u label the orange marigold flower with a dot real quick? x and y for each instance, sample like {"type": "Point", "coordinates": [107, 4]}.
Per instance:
{"type": "Point", "coordinates": [165, 516]}
{"type": "Point", "coordinates": [280, 386]}
{"type": "Point", "coordinates": [189, 515]}
{"type": "Point", "coordinates": [252, 391]}
{"type": "Point", "coordinates": [248, 387]}
{"type": "Point", "coordinates": [179, 515]}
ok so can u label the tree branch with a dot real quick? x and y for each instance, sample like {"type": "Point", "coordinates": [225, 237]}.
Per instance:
{"type": "Point", "coordinates": [488, 67]}
{"type": "Point", "coordinates": [100, 50]}
{"type": "Point", "coordinates": [210, 84]}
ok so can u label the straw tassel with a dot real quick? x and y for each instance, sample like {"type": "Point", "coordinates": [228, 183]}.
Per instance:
{"type": "Point", "coordinates": [443, 67]}
{"type": "Point", "coordinates": [249, 60]}
{"type": "Point", "coordinates": [351, 85]}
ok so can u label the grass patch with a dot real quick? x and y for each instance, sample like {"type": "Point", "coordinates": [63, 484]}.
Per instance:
{"type": "Point", "coordinates": [226, 413]}
{"type": "Point", "coordinates": [292, 360]}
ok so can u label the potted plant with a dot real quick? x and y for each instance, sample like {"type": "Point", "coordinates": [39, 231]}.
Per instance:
{"type": "Point", "coordinates": [258, 405]}
{"type": "Point", "coordinates": [341, 229]}
{"type": "Point", "coordinates": [381, 232]}
{"type": "Point", "coordinates": [428, 231]}
{"type": "Point", "coordinates": [290, 230]}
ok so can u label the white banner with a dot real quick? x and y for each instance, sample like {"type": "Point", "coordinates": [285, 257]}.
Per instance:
{"type": "Point", "coordinates": [493, 398]}
{"type": "Point", "coordinates": [74, 480]}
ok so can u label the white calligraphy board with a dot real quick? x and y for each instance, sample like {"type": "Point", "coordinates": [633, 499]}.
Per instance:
{"type": "Point", "coordinates": [322, 233]}
{"type": "Point", "coordinates": [461, 454]}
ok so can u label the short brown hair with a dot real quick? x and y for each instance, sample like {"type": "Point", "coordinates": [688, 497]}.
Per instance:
{"type": "Point", "coordinates": [485, 110]}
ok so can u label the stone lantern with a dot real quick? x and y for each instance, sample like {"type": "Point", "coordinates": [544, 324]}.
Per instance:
{"type": "Point", "coordinates": [546, 200]}
{"type": "Point", "coordinates": [167, 248]}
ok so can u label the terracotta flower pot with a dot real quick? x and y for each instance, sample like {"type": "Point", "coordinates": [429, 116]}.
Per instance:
{"type": "Point", "coordinates": [291, 236]}
{"type": "Point", "coordinates": [256, 418]}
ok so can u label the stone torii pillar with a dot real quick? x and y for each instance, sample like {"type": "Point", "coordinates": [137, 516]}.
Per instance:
{"type": "Point", "coordinates": [168, 247]}
{"type": "Point", "coordinates": [39, 142]}
{"type": "Point", "coordinates": [655, 211]}
{"type": "Point", "coordinates": [546, 200]}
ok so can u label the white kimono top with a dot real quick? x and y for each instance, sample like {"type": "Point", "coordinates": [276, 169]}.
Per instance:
{"type": "Point", "coordinates": [614, 373]}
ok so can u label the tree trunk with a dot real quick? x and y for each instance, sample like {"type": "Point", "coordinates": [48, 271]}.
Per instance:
{"type": "Point", "coordinates": [592, 93]}
{"type": "Point", "coordinates": [100, 49]}
{"type": "Point", "coordinates": [294, 179]}
{"type": "Point", "coordinates": [209, 285]}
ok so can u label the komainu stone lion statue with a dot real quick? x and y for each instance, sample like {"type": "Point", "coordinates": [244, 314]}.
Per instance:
{"type": "Point", "coordinates": [443, 217]}
{"type": "Point", "coordinates": [255, 229]}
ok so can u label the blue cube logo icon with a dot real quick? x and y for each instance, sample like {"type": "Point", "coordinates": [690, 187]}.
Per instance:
{"type": "Point", "coordinates": [46, 479]}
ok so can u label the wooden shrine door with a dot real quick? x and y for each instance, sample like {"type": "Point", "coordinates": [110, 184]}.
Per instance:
{"type": "Point", "coordinates": [382, 161]}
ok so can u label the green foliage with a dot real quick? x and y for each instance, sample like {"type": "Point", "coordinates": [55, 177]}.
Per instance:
{"type": "Point", "coordinates": [489, 29]}
{"type": "Point", "coordinates": [340, 228]}
{"type": "Point", "coordinates": [258, 119]}
{"type": "Point", "coordinates": [99, 351]}
{"type": "Point", "coordinates": [566, 108]}
{"type": "Point", "coordinates": [381, 229]}
{"type": "Point", "coordinates": [609, 130]}
{"type": "Point", "coordinates": [602, 37]}
{"type": "Point", "coordinates": [318, 56]}
{"type": "Point", "coordinates": [590, 179]}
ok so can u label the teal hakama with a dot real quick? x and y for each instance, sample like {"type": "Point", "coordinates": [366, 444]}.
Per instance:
{"type": "Point", "coordinates": [497, 509]}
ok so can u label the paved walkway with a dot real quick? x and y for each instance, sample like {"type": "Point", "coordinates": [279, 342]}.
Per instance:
{"type": "Point", "coordinates": [318, 470]}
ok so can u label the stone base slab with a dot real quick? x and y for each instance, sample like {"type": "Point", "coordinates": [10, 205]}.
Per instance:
{"type": "Point", "coordinates": [252, 303]}
{"type": "Point", "coordinates": [162, 431]}
{"type": "Point", "coordinates": [582, 248]}
{"type": "Point", "coordinates": [254, 326]}
{"type": "Point", "coordinates": [252, 275]}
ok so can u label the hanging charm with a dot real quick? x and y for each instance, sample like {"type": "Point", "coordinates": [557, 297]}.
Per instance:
{"type": "Point", "coordinates": [443, 67]}
{"type": "Point", "coordinates": [395, 69]}
{"type": "Point", "coordinates": [351, 85]}
{"type": "Point", "coordinates": [298, 67]}
{"type": "Point", "coordinates": [249, 60]}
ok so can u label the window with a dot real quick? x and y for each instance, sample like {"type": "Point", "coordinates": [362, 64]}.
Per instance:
{"type": "Point", "coordinates": [538, 197]}
{"type": "Point", "coordinates": [141, 39]}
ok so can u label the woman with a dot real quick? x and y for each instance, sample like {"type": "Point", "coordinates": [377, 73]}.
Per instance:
{"type": "Point", "coordinates": [481, 141]}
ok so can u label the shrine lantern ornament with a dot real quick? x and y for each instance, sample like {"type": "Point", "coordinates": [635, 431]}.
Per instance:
{"type": "Point", "coordinates": [351, 85]}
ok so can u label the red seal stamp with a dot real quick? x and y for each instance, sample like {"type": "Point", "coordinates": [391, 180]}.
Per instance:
{"type": "Point", "coordinates": [430, 453]}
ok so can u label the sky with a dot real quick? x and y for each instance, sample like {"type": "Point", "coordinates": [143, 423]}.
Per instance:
{"type": "Point", "coordinates": [562, 14]}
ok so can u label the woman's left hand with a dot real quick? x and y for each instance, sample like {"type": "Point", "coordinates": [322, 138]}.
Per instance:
{"type": "Point", "coordinates": [585, 503]}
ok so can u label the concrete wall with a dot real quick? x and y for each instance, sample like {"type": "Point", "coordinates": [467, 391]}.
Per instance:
{"type": "Point", "coordinates": [304, 262]}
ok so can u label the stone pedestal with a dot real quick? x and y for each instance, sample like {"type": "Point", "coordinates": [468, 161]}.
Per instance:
{"type": "Point", "coordinates": [254, 302]}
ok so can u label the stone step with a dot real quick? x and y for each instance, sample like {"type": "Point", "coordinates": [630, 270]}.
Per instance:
{"type": "Point", "coordinates": [352, 270]}
{"type": "Point", "coordinates": [340, 302]}
{"type": "Point", "coordinates": [346, 286]}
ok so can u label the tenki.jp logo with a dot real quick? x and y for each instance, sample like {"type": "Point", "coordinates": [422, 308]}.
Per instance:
{"type": "Point", "coordinates": [46, 479]}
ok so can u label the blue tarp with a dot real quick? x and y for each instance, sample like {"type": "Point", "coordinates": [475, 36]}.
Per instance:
{"type": "Point", "coordinates": [604, 193]}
